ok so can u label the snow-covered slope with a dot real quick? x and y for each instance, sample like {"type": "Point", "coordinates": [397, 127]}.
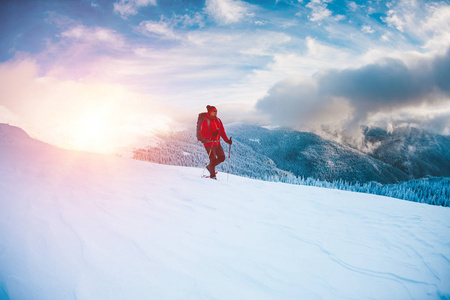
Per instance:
{"type": "Point", "coordinates": [83, 226]}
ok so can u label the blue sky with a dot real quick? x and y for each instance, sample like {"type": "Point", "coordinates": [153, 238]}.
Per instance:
{"type": "Point", "coordinates": [97, 74]}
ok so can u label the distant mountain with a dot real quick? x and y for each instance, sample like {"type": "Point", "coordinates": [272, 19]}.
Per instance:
{"type": "Point", "coordinates": [11, 134]}
{"type": "Point", "coordinates": [309, 155]}
{"type": "Point", "coordinates": [415, 152]}
{"type": "Point", "coordinates": [257, 152]}
{"type": "Point", "coordinates": [262, 153]}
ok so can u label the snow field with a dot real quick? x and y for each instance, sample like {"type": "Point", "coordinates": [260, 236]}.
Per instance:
{"type": "Point", "coordinates": [83, 226]}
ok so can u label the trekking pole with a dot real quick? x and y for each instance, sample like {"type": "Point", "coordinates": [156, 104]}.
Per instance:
{"type": "Point", "coordinates": [229, 157]}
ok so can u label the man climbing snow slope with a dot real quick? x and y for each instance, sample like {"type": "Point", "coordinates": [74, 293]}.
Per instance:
{"type": "Point", "coordinates": [211, 131]}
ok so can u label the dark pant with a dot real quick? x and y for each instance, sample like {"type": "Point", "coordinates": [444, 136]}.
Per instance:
{"type": "Point", "coordinates": [216, 156]}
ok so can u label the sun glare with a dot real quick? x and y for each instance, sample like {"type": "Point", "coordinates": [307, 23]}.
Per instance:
{"type": "Point", "coordinates": [91, 133]}
{"type": "Point", "coordinates": [104, 132]}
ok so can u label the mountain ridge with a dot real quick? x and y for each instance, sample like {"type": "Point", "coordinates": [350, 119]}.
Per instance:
{"type": "Point", "coordinates": [286, 152]}
{"type": "Point", "coordinates": [414, 151]}
{"type": "Point", "coordinates": [309, 155]}
{"type": "Point", "coordinates": [401, 155]}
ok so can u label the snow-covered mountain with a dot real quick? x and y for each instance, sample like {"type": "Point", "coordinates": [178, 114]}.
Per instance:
{"type": "Point", "coordinates": [86, 226]}
{"type": "Point", "coordinates": [260, 153]}
{"type": "Point", "coordinates": [309, 155]}
{"type": "Point", "coordinates": [414, 151]}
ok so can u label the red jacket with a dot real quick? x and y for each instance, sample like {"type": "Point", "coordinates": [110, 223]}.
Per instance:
{"type": "Point", "coordinates": [206, 132]}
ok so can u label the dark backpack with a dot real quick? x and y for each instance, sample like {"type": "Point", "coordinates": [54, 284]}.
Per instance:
{"type": "Point", "coordinates": [200, 119]}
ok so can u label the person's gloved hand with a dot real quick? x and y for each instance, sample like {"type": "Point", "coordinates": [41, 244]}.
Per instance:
{"type": "Point", "coordinates": [215, 133]}
{"type": "Point", "coordinates": [229, 142]}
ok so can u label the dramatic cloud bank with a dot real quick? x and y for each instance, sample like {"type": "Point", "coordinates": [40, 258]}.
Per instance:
{"type": "Point", "coordinates": [352, 97]}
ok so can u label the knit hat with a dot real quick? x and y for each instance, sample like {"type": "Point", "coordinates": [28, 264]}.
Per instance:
{"type": "Point", "coordinates": [210, 108]}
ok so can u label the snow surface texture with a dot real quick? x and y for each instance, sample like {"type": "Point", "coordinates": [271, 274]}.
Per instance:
{"type": "Point", "coordinates": [82, 226]}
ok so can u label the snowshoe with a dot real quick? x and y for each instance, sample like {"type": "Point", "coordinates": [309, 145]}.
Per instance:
{"type": "Point", "coordinates": [208, 176]}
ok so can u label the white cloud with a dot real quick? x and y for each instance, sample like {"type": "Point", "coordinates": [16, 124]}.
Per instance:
{"type": "Point", "coordinates": [319, 10]}
{"type": "Point", "coordinates": [439, 19]}
{"type": "Point", "coordinates": [352, 6]}
{"type": "Point", "coordinates": [220, 66]}
{"type": "Point", "coordinates": [434, 118]}
{"type": "Point", "coordinates": [367, 29]}
{"type": "Point", "coordinates": [166, 27]}
{"type": "Point", "coordinates": [407, 16]}
{"type": "Point", "coordinates": [94, 35]}
{"type": "Point", "coordinates": [394, 20]}
{"type": "Point", "coordinates": [159, 29]}
{"type": "Point", "coordinates": [437, 26]}
{"type": "Point", "coordinates": [339, 18]}
{"type": "Point", "coordinates": [127, 8]}
{"type": "Point", "coordinates": [226, 11]}
{"type": "Point", "coordinates": [59, 20]}
{"type": "Point", "coordinates": [426, 22]}
{"type": "Point", "coordinates": [371, 10]}
{"type": "Point", "coordinates": [189, 20]}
